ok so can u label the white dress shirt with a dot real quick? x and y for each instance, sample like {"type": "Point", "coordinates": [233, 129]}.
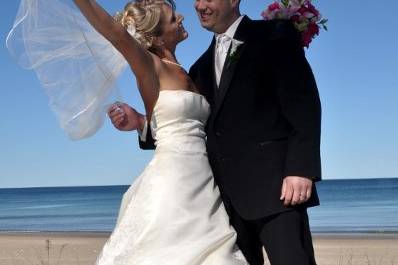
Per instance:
{"type": "Point", "coordinates": [223, 42]}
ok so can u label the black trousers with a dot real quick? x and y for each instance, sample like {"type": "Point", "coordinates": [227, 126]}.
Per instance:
{"type": "Point", "coordinates": [286, 238]}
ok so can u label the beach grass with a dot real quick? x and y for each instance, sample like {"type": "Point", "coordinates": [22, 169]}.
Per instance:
{"type": "Point", "coordinates": [49, 254]}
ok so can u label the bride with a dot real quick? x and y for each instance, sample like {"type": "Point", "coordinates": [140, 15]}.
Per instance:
{"type": "Point", "coordinates": [173, 213]}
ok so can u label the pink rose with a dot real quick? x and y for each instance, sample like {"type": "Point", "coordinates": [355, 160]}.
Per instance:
{"type": "Point", "coordinates": [313, 29]}
{"type": "Point", "coordinates": [306, 39]}
{"type": "Point", "coordinates": [295, 3]}
{"type": "Point", "coordinates": [274, 6]}
{"type": "Point", "coordinates": [312, 9]}
{"type": "Point", "coordinates": [268, 15]}
{"type": "Point", "coordinates": [288, 12]}
{"type": "Point", "coordinates": [302, 10]}
{"type": "Point", "coordinates": [309, 34]}
{"type": "Point", "coordinates": [295, 18]}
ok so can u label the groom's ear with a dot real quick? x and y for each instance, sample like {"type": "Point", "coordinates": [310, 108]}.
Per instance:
{"type": "Point", "coordinates": [235, 3]}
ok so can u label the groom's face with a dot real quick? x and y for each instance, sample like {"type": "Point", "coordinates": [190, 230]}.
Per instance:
{"type": "Point", "coordinates": [216, 15]}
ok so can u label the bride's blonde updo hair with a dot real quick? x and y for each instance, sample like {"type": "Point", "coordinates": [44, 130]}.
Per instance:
{"type": "Point", "coordinates": [142, 19]}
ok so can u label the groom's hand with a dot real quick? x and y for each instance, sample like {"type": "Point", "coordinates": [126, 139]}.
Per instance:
{"type": "Point", "coordinates": [296, 190]}
{"type": "Point", "coordinates": [125, 118]}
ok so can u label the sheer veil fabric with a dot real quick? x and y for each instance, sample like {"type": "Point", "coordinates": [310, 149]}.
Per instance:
{"type": "Point", "coordinates": [76, 66]}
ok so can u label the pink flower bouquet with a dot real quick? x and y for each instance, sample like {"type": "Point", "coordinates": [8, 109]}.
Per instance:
{"type": "Point", "coordinates": [305, 16]}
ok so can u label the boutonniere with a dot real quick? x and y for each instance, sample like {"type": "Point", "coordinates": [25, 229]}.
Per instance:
{"type": "Point", "coordinates": [234, 53]}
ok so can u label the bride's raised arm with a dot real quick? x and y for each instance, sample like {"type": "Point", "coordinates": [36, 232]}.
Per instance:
{"type": "Point", "coordinates": [141, 61]}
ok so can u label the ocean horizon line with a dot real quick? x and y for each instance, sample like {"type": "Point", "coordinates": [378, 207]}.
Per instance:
{"type": "Point", "coordinates": [122, 185]}
{"type": "Point", "coordinates": [102, 232]}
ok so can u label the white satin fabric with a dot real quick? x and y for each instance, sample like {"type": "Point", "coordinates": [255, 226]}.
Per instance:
{"type": "Point", "coordinates": [173, 214]}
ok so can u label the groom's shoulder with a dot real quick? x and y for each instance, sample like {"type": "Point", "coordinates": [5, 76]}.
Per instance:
{"type": "Point", "coordinates": [274, 29]}
{"type": "Point", "coordinates": [197, 64]}
{"type": "Point", "coordinates": [203, 58]}
{"type": "Point", "coordinates": [194, 67]}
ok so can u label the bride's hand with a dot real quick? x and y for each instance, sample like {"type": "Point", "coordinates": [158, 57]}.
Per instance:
{"type": "Point", "coordinates": [125, 118]}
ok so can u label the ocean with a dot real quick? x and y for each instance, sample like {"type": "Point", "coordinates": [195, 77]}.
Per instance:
{"type": "Point", "coordinates": [347, 206]}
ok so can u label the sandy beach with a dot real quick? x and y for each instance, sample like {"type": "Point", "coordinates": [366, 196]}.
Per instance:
{"type": "Point", "coordinates": [83, 248]}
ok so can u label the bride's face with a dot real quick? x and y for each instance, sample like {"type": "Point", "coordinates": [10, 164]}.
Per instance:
{"type": "Point", "coordinates": [173, 30]}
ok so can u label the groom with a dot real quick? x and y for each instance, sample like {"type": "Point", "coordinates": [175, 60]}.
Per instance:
{"type": "Point", "coordinates": [263, 134]}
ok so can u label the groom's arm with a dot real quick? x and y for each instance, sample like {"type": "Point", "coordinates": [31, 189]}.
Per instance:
{"type": "Point", "coordinates": [145, 139]}
{"type": "Point", "coordinates": [300, 105]}
{"type": "Point", "coordinates": [299, 101]}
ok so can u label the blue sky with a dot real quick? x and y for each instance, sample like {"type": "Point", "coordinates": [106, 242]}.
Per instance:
{"type": "Point", "coordinates": [355, 64]}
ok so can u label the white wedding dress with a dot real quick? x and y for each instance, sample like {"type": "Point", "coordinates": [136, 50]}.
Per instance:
{"type": "Point", "coordinates": [173, 214]}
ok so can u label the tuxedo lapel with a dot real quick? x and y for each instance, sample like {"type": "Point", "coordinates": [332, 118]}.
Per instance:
{"type": "Point", "coordinates": [207, 74]}
{"type": "Point", "coordinates": [231, 64]}
{"type": "Point", "coordinates": [227, 75]}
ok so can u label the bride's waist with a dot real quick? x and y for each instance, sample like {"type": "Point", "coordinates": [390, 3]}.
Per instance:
{"type": "Point", "coordinates": [181, 143]}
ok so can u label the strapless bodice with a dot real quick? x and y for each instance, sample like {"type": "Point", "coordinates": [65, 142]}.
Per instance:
{"type": "Point", "coordinates": [179, 115]}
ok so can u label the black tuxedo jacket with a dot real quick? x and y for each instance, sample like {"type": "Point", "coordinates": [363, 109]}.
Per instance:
{"type": "Point", "coordinates": [265, 120]}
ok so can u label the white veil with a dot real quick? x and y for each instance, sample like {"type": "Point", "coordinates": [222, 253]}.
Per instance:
{"type": "Point", "coordinates": [76, 66]}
